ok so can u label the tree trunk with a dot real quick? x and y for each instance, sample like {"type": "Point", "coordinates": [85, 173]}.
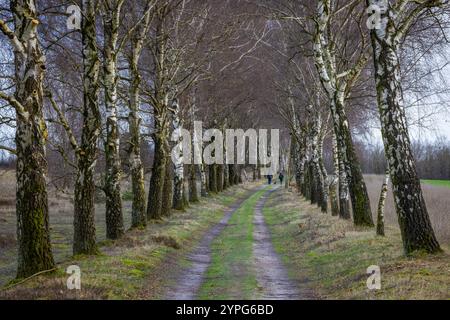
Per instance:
{"type": "Point", "coordinates": [301, 170]}
{"type": "Point", "coordinates": [84, 224]}
{"type": "Point", "coordinates": [313, 190]}
{"type": "Point", "coordinates": [381, 203]}
{"type": "Point", "coordinates": [334, 184]}
{"type": "Point", "coordinates": [178, 191]}
{"type": "Point", "coordinates": [288, 165]}
{"type": "Point", "coordinates": [224, 167]}
{"type": "Point", "coordinates": [177, 164]}
{"type": "Point", "coordinates": [33, 234]}
{"type": "Point", "coordinates": [231, 174]}
{"type": "Point", "coordinates": [334, 198]}
{"type": "Point", "coordinates": [307, 183]}
{"type": "Point", "coordinates": [167, 196]}
{"type": "Point", "coordinates": [318, 180]}
{"type": "Point", "coordinates": [203, 180]}
{"type": "Point", "coordinates": [362, 213]}
{"type": "Point", "coordinates": [237, 174]}
{"type": "Point", "coordinates": [186, 189]}
{"type": "Point", "coordinates": [220, 169]}
{"type": "Point", "coordinates": [417, 232]}
{"type": "Point", "coordinates": [344, 200]}
{"type": "Point", "coordinates": [296, 163]}
{"type": "Point", "coordinates": [155, 196]}
{"type": "Point", "coordinates": [156, 201]}
{"type": "Point", "coordinates": [114, 216]}
{"type": "Point", "coordinates": [226, 176]}
{"type": "Point", "coordinates": [324, 175]}
{"type": "Point", "coordinates": [193, 192]}
{"type": "Point", "coordinates": [138, 218]}
{"type": "Point", "coordinates": [336, 88]}
{"type": "Point", "coordinates": [212, 178]}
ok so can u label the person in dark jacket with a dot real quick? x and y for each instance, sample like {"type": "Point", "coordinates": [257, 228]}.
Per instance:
{"type": "Point", "coordinates": [281, 177]}
{"type": "Point", "coordinates": [269, 179]}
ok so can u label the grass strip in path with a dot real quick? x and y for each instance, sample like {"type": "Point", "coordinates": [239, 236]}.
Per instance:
{"type": "Point", "coordinates": [231, 274]}
{"type": "Point", "coordinates": [271, 273]}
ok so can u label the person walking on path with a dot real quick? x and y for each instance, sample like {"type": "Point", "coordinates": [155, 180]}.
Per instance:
{"type": "Point", "coordinates": [281, 177]}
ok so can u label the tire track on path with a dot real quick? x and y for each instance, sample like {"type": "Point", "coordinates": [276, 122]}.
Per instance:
{"type": "Point", "coordinates": [271, 274]}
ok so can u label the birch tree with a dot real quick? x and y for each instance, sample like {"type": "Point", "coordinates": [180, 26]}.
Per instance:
{"type": "Point", "coordinates": [341, 175]}
{"type": "Point", "coordinates": [179, 196]}
{"type": "Point", "coordinates": [318, 185]}
{"type": "Point", "coordinates": [111, 22]}
{"type": "Point", "coordinates": [138, 217]}
{"type": "Point", "coordinates": [34, 248]}
{"type": "Point", "coordinates": [395, 20]}
{"type": "Point", "coordinates": [337, 84]}
{"type": "Point", "coordinates": [180, 54]}
{"type": "Point", "coordinates": [381, 204]}
{"type": "Point", "coordinates": [87, 152]}
{"type": "Point", "coordinates": [160, 97]}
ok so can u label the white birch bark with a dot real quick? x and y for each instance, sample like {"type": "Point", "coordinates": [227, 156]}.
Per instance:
{"type": "Point", "coordinates": [84, 224]}
{"type": "Point", "coordinates": [417, 232]}
{"type": "Point", "coordinates": [114, 216]}
{"type": "Point", "coordinates": [138, 217]}
{"type": "Point", "coordinates": [336, 87]}
{"type": "Point", "coordinates": [178, 179]}
{"type": "Point", "coordinates": [33, 234]}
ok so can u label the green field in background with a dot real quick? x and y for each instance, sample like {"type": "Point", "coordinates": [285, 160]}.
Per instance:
{"type": "Point", "coordinates": [438, 183]}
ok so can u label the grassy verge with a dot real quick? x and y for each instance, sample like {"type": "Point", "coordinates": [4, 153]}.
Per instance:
{"type": "Point", "coordinates": [121, 271]}
{"type": "Point", "coordinates": [438, 183]}
{"type": "Point", "coordinates": [332, 256]}
{"type": "Point", "coordinates": [231, 273]}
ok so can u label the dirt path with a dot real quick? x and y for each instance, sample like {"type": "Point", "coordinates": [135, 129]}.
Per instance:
{"type": "Point", "coordinates": [271, 274]}
{"type": "Point", "coordinates": [262, 263]}
{"type": "Point", "coordinates": [190, 279]}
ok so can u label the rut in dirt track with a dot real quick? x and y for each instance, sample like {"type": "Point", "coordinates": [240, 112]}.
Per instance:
{"type": "Point", "coordinates": [271, 274]}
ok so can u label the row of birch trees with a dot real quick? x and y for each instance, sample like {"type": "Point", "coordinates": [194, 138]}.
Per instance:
{"type": "Point", "coordinates": [82, 76]}
{"type": "Point", "coordinates": [340, 56]}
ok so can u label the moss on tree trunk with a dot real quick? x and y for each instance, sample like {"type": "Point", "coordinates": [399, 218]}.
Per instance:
{"type": "Point", "coordinates": [220, 176]}
{"type": "Point", "coordinates": [212, 178]}
{"type": "Point", "coordinates": [155, 196]}
{"type": "Point", "coordinates": [84, 223]}
{"type": "Point", "coordinates": [193, 190]}
{"type": "Point", "coordinates": [167, 197]}
{"type": "Point", "coordinates": [362, 213]}
{"type": "Point", "coordinates": [415, 225]}
{"type": "Point", "coordinates": [33, 234]}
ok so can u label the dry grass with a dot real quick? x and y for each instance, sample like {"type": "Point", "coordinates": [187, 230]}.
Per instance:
{"type": "Point", "coordinates": [332, 256]}
{"type": "Point", "coordinates": [437, 199]}
{"type": "Point", "coordinates": [61, 224]}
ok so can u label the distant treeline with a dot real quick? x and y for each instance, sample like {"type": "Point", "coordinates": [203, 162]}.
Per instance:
{"type": "Point", "coordinates": [7, 161]}
{"type": "Point", "coordinates": [432, 159]}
